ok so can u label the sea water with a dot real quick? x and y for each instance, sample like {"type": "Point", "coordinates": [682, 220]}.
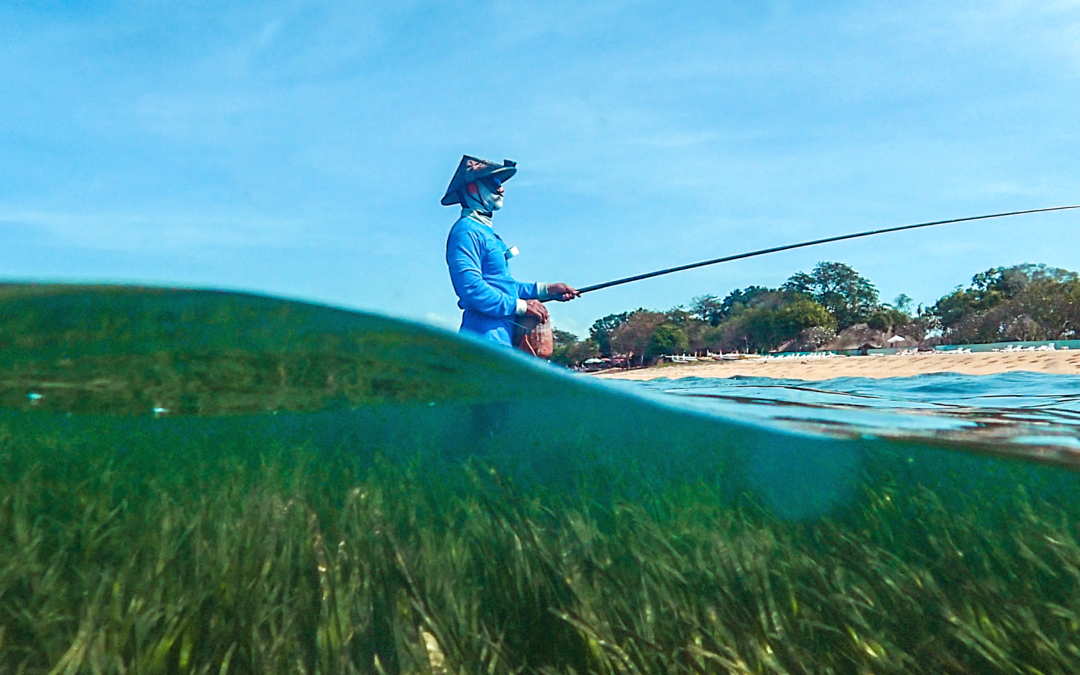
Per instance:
{"type": "Point", "coordinates": [1032, 415]}
{"type": "Point", "coordinates": [534, 517]}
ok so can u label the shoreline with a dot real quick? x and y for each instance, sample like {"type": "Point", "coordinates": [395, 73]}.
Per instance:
{"type": "Point", "coordinates": [1059, 362]}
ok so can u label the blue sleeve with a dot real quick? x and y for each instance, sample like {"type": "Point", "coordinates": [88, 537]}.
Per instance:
{"type": "Point", "coordinates": [464, 253]}
{"type": "Point", "coordinates": [528, 291]}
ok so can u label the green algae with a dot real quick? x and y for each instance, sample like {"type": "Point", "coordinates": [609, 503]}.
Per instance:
{"type": "Point", "coordinates": [289, 513]}
{"type": "Point", "coordinates": [286, 559]}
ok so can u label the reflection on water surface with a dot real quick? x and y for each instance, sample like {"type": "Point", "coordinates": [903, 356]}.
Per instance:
{"type": "Point", "coordinates": [1028, 415]}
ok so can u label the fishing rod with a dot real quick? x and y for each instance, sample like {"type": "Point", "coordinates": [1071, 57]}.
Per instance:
{"type": "Point", "coordinates": [777, 249]}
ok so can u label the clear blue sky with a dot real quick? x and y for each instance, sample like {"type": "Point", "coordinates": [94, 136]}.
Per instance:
{"type": "Point", "coordinates": [301, 148]}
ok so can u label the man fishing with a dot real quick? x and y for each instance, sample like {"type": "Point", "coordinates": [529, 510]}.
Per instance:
{"type": "Point", "coordinates": [492, 302]}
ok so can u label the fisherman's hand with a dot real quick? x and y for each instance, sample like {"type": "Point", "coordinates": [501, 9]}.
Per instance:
{"type": "Point", "coordinates": [536, 309]}
{"type": "Point", "coordinates": [562, 292]}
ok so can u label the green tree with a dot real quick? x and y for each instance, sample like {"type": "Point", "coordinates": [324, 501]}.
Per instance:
{"type": "Point", "coordinates": [757, 329]}
{"type": "Point", "coordinates": [667, 338]}
{"type": "Point", "coordinates": [602, 329]}
{"type": "Point", "coordinates": [992, 288]}
{"type": "Point", "coordinates": [570, 351]}
{"type": "Point", "coordinates": [793, 318]}
{"type": "Point", "coordinates": [888, 318]}
{"type": "Point", "coordinates": [845, 293]}
{"type": "Point", "coordinates": [707, 309]}
{"type": "Point", "coordinates": [965, 312]}
{"type": "Point", "coordinates": [778, 319]}
{"type": "Point", "coordinates": [743, 298]}
{"type": "Point", "coordinates": [1024, 302]}
{"type": "Point", "coordinates": [695, 329]}
{"type": "Point", "coordinates": [1055, 306]}
{"type": "Point", "coordinates": [903, 303]}
{"type": "Point", "coordinates": [634, 335]}
{"type": "Point", "coordinates": [679, 316]}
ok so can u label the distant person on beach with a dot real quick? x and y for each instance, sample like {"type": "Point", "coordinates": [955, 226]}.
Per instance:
{"type": "Point", "coordinates": [490, 299]}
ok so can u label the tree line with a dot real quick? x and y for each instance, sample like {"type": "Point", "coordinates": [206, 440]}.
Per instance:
{"type": "Point", "coordinates": [813, 309]}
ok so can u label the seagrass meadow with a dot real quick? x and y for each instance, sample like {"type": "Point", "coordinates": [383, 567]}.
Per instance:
{"type": "Point", "coordinates": [197, 482]}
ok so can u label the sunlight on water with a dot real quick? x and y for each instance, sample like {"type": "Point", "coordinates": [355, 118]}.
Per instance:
{"type": "Point", "coordinates": [197, 481]}
{"type": "Point", "coordinates": [1034, 416]}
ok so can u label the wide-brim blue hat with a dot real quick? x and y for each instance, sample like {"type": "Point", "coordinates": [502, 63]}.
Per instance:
{"type": "Point", "coordinates": [472, 169]}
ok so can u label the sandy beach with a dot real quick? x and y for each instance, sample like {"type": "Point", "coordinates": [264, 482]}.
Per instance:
{"type": "Point", "coordinates": [1066, 362]}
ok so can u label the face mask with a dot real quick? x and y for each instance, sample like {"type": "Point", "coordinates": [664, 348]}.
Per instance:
{"type": "Point", "coordinates": [484, 196]}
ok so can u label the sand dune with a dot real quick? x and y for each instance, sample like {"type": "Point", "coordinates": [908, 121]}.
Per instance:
{"type": "Point", "coordinates": [983, 363]}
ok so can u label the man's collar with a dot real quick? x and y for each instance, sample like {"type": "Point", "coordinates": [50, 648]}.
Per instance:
{"type": "Point", "coordinates": [482, 217]}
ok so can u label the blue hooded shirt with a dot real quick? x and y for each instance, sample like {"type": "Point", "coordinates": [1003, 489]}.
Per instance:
{"type": "Point", "coordinates": [480, 272]}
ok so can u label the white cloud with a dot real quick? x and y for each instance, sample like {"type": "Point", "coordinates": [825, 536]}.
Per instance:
{"type": "Point", "coordinates": [675, 139]}
{"type": "Point", "coordinates": [141, 232]}
{"type": "Point", "coordinates": [442, 321]}
{"type": "Point", "coordinates": [269, 31]}
{"type": "Point", "coordinates": [1034, 26]}
{"type": "Point", "coordinates": [991, 189]}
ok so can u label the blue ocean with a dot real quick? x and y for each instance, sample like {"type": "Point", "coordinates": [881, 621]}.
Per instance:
{"type": "Point", "coordinates": [1031, 416]}
{"type": "Point", "coordinates": [211, 482]}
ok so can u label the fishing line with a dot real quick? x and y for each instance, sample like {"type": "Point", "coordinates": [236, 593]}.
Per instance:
{"type": "Point", "coordinates": [777, 249]}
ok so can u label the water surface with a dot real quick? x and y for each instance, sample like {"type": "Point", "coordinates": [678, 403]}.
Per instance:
{"type": "Point", "coordinates": [197, 481]}
{"type": "Point", "coordinates": [1029, 415]}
